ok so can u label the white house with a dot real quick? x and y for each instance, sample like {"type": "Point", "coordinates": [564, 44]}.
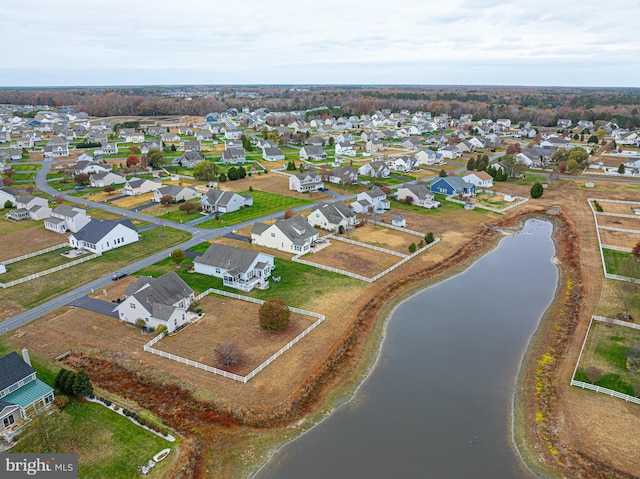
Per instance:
{"type": "Point", "coordinates": [372, 200]}
{"type": "Point", "coordinates": [313, 152]}
{"type": "Point", "coordinates": [238, 268]}
{"type": "Point", "coordinates": [481, 179]}
{"type": "Point", "coordinates": [106, 178]}
{"type": "Point", "coordinates": [177, 193]}
{"type": "Point", "coordinates": [334, 216]}
{"type": "Point", "coordinates": [90, 167]}
{"type": "Point", "coordinates": [272, 154]}
{"type": "Point", "coordinates": [99, 236]}
{"type": "Point", "coordinates": [429, 158]}
{"type": "Point", "coordinates": [139, 186]}
{"type": "Point", "coordinates": [375, 169]}
{"type": "Point", "coordinates": [66, 218]}
{"type": "Point", "coordinates": [293, 235]}
{"type": "Point", "coordinates": [8, 194]}
{"type": "Point", "coordinates": [310, 181]}
{"type": "Point", "coordinates": [345, 149]}
{"type": "Point", "coordinates": [449, 152]}
{"type": "Point", "coordinates": [419, 194]}
{"type": "Point", "coordinates": [218, 201]}
{"type": "Point", "coordinates": [32, 207]}
{"type": "Point", "coordinates": [162, 301]}
{"type": "Point", "coordinates": [344, 175]}
{"type": "Point", "coordinates": [403, 163]}
{"type": "Point", "coordinates": [399, 221]}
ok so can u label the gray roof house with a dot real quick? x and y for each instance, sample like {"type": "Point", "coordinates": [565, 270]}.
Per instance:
{"type": "Point", "coordinates": [178, 193]}
{"type": "Point", "coordinates": [239, 268]}
{"type": "Point", "coordinates": [372, 200]}
{"type": "Point", "coordinates": [189, 159]}
{"type": "Point", "coordinates": [332, 216]}
{"type": "Point", "coordinates": [99, 236]}
{"type": "Point", "coordinates": [162, 301]}
{"type": "Point", "coordinates": [293, 235]}
{"type": "Point", "coordinates": [218, 201]}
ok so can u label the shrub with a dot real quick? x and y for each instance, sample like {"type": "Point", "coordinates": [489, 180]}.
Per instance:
{"type": "Point", "coordinates": [412, 248]}
{"type": "Point", "coordinates": [274, 315]}
{"type": "Point", "coordinates": [161, 329]}
{"type": "Point", "coordinates": [8, 204]}
{"type": "Point", "coordinates": [536, 190]}
{"type": "Point", "coordinates": [598, 207]}
{"type": "Point", "coordinates": [429, 238]}
{"type": "Point", "coordinates": [61, 402]}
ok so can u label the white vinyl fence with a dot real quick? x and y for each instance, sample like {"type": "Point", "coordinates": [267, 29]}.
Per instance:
{"type": "Point", "coordinates": [394, 227]}
{"type": "Point", "coordinates": [35, 253]}
{"type": "Point", "coordinates": [48, 271]}
{"type": "Point", "coordinates": [320, 318]}
{"type": "Point", "coordinates": [521, 200]}
{"type": "Point", "coordinates": [593, 387]}
{"type": "Point", "coordinates": [365, 245]}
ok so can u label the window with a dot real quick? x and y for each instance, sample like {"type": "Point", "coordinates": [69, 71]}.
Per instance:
{"type": "Point", "coordinates": [273, 235]}
{"type": "Point", "coordinates": [8, 421]}
{"type": "Point", "coordinates": [218, 270]}
{"type": "Point", "coordinates": [132, 305]}
{"type": "Point", "coordinates": [48, 399]}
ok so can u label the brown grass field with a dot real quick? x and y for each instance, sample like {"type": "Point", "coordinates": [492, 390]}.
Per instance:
{"type": "Point", "coordinates": [273, 183]}
{"type": "Point", "coordinates": [27, 236]}
{"type": "Point", "coordinates": [620, 222]}
{"type": "Point", "coordinates": [617, 208]}
{"type": "Point", "coordinates": [353, 258]}
{"type": "Point", "coordinates": [618, 238]}
{"type": "Point", "coordinates": [384, 237]}
{"type": "Point", "coordinates": [228, 319]}
{"type": "Point", "coordinates": [131, 202]}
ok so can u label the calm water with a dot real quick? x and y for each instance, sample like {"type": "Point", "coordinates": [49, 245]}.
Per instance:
{"type": "Point", "coordinates": [437, 404]}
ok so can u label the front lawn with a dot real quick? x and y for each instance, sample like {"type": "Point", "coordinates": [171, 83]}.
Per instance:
{"type": "Point", "coordinates": [264, 203]}
{"type": "Point", "coordinates": [25, 166]}
{"type": "Point", "coordinates": [35, 264]}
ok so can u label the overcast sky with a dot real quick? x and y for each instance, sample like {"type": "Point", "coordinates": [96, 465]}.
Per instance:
{"type": "Point", "coordinates": [465, 42]}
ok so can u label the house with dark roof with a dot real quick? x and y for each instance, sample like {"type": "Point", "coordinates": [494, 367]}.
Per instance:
{"type": "Point", "coordinates": [233, 155]}
{"type": "Point", "coordinates": [30, 207]}
{"type": "Point", "coordinates": [106, 178]}
{"type": "Point", "coordinates": [20, 392]}
{"type": "Point", "coordinates": [239, 268]}
{"type": "Point", "coordinates": [140, 186]}
{"type": "Point", "coordinates": [452, 185]}
{"type": "Point", "coordinates": [313, 152]}
{"type": "Point", "coordinates": [99, 236]}
{"type": "Point", "coordinates": [67, 218]}
{"type": "Point", "coordinates": [177, 193]}
{"type": "Point", "coordinates": [343, 175]}
{"type": "Point", "coordinates": [8, 194]}
{"type": "Point", "coordinates": [189, 159]}
{"type": "Point", "coordinates": [336, 217]}
{"type": "Point", "coordinates": [162, 301]}
{"type": "Point", "coordinates": [272, 154]}
{"type": "Point", "coordinates": [419, 194]}
{"type": "Point", "coordinates": [218, 201]}
{"type": "Point", "coordinates": [375, 169]}
{"type": "Point", "coordinates": [293, 235]}
{"type": "Point", "coordinates": [308, 181]}
{"type": "Point", "coordinates": [374, 200]}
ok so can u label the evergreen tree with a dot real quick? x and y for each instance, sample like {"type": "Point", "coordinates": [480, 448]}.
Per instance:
{"type": "Point", "coordinates": [68, 382]}
{"type": "Point", "coordinates": [442, 174]}
{"type": "Point", "coordinates": [82, 386]}
{"type": "Point", "coordinates": [232, 174]}
{"type": "Point", "coordinates": [61, 378]}
{"type": "Point", "coordinates": [536, 190]}
{"type": "Point", "coordinates": [241, 172]}
{"type": "Point", "coordinates": [471, 165]}
{"type": "Point", "coordinates": [621, 169]}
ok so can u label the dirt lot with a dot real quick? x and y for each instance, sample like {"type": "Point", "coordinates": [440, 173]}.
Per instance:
{"type": "Point", "coordinates": [618, 238]}
{"type": "Point", "coordinates": [620, 222]}
{"type": "Point", "coordinates": [228, 319]}
{"type": "Point", "coordinates": [353, 258]}
{"type": "Point", "coordinates": [384, 237]}
{"type": "Point", "coordinates": [131, 202]}
{"type": "Point", "coordinates": [26, 237]}
{"type": "Point", "coordinates": [273, 183]}
{"type": "Point", "coordinates": [617, 208]}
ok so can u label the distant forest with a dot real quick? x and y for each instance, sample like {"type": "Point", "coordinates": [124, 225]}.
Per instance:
{"type": "Point", "coordinates": [539, 105]}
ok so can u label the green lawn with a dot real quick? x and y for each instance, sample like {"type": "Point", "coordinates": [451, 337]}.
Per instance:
{"type": "Point", "coordinates": [178, 215]}
{"type": "Point", "coordinates": [263, 204]}
{"type": "Point", "coordinates": [35, 264]}
{"type": "Point", "coordinates": [615, 261]}
{"type": "Point", "coordinates": [445, 206]}
{"type": "Point", "coordinates": [32, 293]}
{"type": "Point", "coordinates": [604, 358]}
{"type": "Point", "coordinates": [299, 282]}
{"type": "Point", "coordinates": [86, 191]}
{"type": "Point", "coordinates": [528, 180]}
{"type": "Point", "coordinates": [24, 176]}
{"type": "Point", "coordinates": [25, 166]}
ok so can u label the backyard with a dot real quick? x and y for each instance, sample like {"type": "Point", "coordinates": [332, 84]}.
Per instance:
{"type": "Point", "coordinates": [383, 237]}
{"type": "Point", "coordinates": [36, 264]}
{"type": "Point", "coordinates": [22, 237]}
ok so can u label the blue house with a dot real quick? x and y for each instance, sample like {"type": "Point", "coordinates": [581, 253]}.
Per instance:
{"type": "Point", "coordinates": [452, 185]}
{"type": "Point", "coordinates": [211, 117]}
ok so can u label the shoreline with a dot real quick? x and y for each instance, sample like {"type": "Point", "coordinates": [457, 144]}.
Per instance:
{"type": "Point", "coordinates": [365, 364]}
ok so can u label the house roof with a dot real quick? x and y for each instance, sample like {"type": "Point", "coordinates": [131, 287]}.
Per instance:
{"type": "Point", "coordinates": [13, 369]}
{"type": "Point", "coordinates": [296, 229]}
{"type": "Point", "coordinates": [29, 393]}
{"type": "Point", "coordinates": [172, 190]}
{"type": "Point", "coordinates": [68, 211]}
{"type": "Point", "coordinates": [234, 260]}
{"type": "Point", "coordinates": [481, 175]}
{"type": "Point", "coordinates": [192, 156]}
{"type": "Point", "coordinates": [420, 191]}
{"type": "Point", "coordinates": [268, 151]}
{"type": "Point", "coordinates": [335, 212]}
{"type": "Point", "coordinates": [95, 230]}
{"type": "Point", "coordinates": [165, 290]}
{"type": "Point", "coordinates": [456, 182]}
{"type": "Point", "coordinates": [259, 228]}
{"type": "Point", "coordinates": [376, 192]}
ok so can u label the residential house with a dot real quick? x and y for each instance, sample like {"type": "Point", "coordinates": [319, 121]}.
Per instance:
{"type": "Point", "coordinates": [481, 179]}
{"type": "Point", "coordinates": [140, 186]}
{"type": "Point", "coordinates": [189, 159]}
{"type": "Point", "coordinates": [413, 144]}
{"type": "Point", "coordinates": [344, 175]}
{"type": "Point", "coordinates": [218, 201]}
{"type": "Point", "coordinates": [191, 145]}
{"type": "Point", "coordinates": [452, 185]}
{"type": "Point", "coordinates": [403, 163]}
{"type": "Point", "coordinates": [419, 194]}
{"type": "Point", "coordinates": [373, 146]}
{"type": "Point", "coordinates": [15, 154]}
{"type": "Point", "coordinates": [308, 181]}
{"type": "Point", "coordinates": [232, 133]}
{"type": "Point", "coordinates": [272, 154]}
{"type": "Point", "coordinates": [56, 149]}
{"type": "Point", "coordinates": [30, 207]}
{"type": "Point", "coordinates": [7, 195]}
{"type": "Point", "coordinates": [375, 169]}
{"type": "Point", "coordinates": [66, 218]}
{"type": "Point", "coordinates": [313, 152]}
{"type": "Point", "coordinates": [504, 123]}
{"type": "Point", "coordinates": [564, 123]}
{"type": "Point", "coordinates": [90, 167]}
{"type": "Point", "coordinates": [130, 135]}
{"type": "Point", "coordinates": [203, 135]}
{"type": "Point", "coordinates": [21, 392]}
{"type": "Point", "coordinates": [374, 200]}
{"type": "Point", "coordinates": [162, 301]}
{"type": "Point", "coordinates": [336, 217]}
{"type": "Point", "coordinates": [345, 149]}
{"type": "Point", "coordinates": [170, 137]}
{"type": "Point", "coordinates": [156, 130]}
{"type": "Point", "coordinates": [293, 235]}
{"type": "Point", "coordinates": [429, 158]}
{"type": "Point", "coordinates": [233, 155]}
{"type": "Point", "coordinates": [107, 148]}
{"type": "Point", "coordinates": [239, 268]}
{"type": "Point", "coordinates": [177, 193]}
{"type": "Point", "coordinates": [105, 178]}
{"type": "Point", "coordinates": [151, 145]}
{"type": "Point", "coordinates": [449, 152]}
{"type": "Point", "coordinates": [99, 236]}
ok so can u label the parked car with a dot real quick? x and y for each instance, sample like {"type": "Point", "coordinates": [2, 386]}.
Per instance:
{"type": "Point", "coordinates": [79, 187]}
{"type": "Point", "coordinates": [117, 276]}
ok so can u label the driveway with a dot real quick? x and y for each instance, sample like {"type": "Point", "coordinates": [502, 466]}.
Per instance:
{"type": "Point", "coordinates": [144, 207]}
{"type": "Point", "coordinates": [109, 200]}
{"type": "Point", "coordinates": [95, 305]}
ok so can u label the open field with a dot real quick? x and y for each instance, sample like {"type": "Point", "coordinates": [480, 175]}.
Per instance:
{"type": "Point", "coordinates": [39, 290]}
{"type": "Point", "coordinates": [131, 202]}
{"type": "Point", "coordinates": [173, 212]}
{"type": "Point", "coordinates": [620, 222]}
{"type": "Point", "coordinates": [604, 357]}
{"type": "Point", "coordinates": [617, 208]}
{"type": "Point", "coordinates": [233, 320]}
{"type": "Point", "coordinates": [384, 237]}
{"type": "Point", "coordinates": [272, 183]}
{"type": "Point", "coordinates": [610, 305]}
{"type": "Point", "coordinates": [98, 214]}
{"type": "Point", "coordinates": [24, 237]}
{"type": "Point", "coordinates": [491, 201]}
{"type": "Point", "coordinates": [353, 258]}
{"type": "Point", "coordinates": [619, 238]}
{"type": "Point", "coordinates": [263, 204]}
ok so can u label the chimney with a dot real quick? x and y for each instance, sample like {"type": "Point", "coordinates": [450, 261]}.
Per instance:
{"type": "Point", "coordinates": [25, 356]}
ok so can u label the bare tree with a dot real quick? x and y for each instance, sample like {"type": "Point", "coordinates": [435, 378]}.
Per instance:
{"type": "Point", "coordinates": [227, 353]}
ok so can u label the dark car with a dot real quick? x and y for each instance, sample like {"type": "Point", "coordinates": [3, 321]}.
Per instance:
{"type": "Point", "coordinates": [117, 276]}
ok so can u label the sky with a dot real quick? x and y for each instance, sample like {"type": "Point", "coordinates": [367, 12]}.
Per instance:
{"type": "Point", "coordinates": [423, 42]}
